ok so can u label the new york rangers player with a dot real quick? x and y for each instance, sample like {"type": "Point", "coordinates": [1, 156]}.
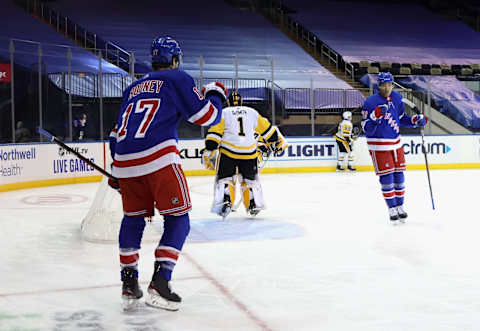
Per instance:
{"type": "Point", "coordinates": [147, 165]}
{"type": "Point", "coordinates": [382, 116]}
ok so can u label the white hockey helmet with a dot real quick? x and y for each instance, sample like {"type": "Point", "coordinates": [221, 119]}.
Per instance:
{"type": "Point", "coordinates": [347, 115]}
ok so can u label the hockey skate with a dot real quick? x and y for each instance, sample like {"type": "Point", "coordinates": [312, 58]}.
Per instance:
{"type": "Point", "coordinates": [131, 292]}
{"type": "Point", "coordinates": [159, 293]}
{"type": "Point", "coordinates": [394, 218]}
{"type": "Point", "coordinates": [252, 208]}
{"type": "Point", "coordinates": [226, 207]}
{"type": "Point", "coordinates": [351, 168]}
{"type": "Point", "coordinates": [340, 168]}
{"type": "Point", "coordinates": [402, 214]}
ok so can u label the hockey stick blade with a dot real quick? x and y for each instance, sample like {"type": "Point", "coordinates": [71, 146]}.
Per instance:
{"type": "Point", "coordinates": [60, 143]}
{"type": "Point", "coordinates": [46, 134]}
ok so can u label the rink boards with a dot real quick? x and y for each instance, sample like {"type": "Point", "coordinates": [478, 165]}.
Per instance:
{"type": "Point", "coordinates": [33, 165]}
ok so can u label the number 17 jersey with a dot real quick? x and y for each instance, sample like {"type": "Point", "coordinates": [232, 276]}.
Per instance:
{"type": "Point", "coordinates": [145, 137]}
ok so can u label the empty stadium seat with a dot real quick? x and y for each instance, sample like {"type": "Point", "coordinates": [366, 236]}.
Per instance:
{"type": "Point", "coordinates": [446, 69]}
{"type": "Point", "coordinates": [362, 69]}
{"type": "Point", "coordinates": [466, 71]}
{"type": "Point", "coordinates": [373, 70]}
{"type": "Point", "coordinates": [426, 69]}
{"type": "Point", "coordinates": [416, 68]}
{"type": "Point", "coordinates": [476, 68]}
{"type": "Point", "coordinates": [364, 64]}
{"type": "Point", "coordinates": [405, 71]}
{"type": "Point", "coordinates": [456, 69]}
{"type": "Point", "coordinates": [385, 65]}
{"type": "Point", "coordinates": [395, 69]}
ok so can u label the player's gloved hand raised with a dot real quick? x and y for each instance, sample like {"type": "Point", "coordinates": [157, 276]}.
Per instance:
{"type": "Point", "coordinates": [113, 183]}
{"type": "Point", "coordinates": [419, 120]}
{"type": "Point", "coordinates": [263, 148]}
{"type": "Point", "coordinates": [216, 88]}
{"type": "Point", "coordinates": [379, 112]}
{"type": "Point", "coordinates": [208, 158]}
{"type": "Point", "coordinates": [279, 147]}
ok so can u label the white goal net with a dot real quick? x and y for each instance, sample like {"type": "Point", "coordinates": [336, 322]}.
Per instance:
{"type": "Point", "coordinates": [102, 223]}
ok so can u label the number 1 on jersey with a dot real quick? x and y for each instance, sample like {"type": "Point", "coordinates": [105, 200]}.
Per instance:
{"type": "Point", "coordinates": [241, 132]}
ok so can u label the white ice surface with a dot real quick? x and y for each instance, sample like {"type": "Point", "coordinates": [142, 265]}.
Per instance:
{"type": "Point", "coordinates": [350, 270]}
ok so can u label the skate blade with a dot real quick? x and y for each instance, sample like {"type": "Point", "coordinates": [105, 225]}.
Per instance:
{"type": "Point", "coordinates": [394, 222]}
{"type": "Point", "coordinates": [254, 212]}
{"type": "Point", "coordinates": [156, 301]}
{"type": "Point", "coordinates": [129, 303]}
{"type": "Point", "coordinates": [224, 213]}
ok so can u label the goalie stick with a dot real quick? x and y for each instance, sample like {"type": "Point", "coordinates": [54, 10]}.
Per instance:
{"type": "Point", "coordinates": [60, 143]}
{"type": "Point", "coordinates": [424, 150]}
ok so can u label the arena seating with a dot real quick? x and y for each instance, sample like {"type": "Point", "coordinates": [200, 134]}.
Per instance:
{"type": "Point", "coordinates": [15, 23]}
{"type": "Point", "coordinates": [450, 96]}
{"type": "Point", "coordinates": [408, 37]}
{"type": "Point", "coordinates": [393, 32]}
{"type": "Point", "coordinates": [213, 30]}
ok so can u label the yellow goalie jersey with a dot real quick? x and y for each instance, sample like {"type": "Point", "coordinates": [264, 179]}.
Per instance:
{"type": "Point", "coordinates": [235, 134]}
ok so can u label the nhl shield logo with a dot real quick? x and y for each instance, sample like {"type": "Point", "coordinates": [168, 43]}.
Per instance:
{"type": "Point", "coordinates": [175, 200]}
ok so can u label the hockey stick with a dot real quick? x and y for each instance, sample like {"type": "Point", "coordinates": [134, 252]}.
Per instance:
{"type": "Point", "coordinates": [54, 139]}
{"type": "Point", "coordinates": [424, 150]}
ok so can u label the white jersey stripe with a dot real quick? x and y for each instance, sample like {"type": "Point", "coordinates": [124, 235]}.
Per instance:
{"type": "Point", "coordinates": [147, 152]}
{"type": "Point", "coordinates": [198, 115]}
{"type": "Point", "coordinates": [169, 248]}
{"type": "Point", "coordinates": [147, 168]}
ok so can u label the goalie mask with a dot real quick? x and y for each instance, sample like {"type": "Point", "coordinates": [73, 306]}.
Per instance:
{"type": "Point", "coordinates": [234, 99]}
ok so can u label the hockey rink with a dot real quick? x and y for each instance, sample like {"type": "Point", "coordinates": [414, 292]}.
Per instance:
{"type": "Point", "coordinates": [323, 256]}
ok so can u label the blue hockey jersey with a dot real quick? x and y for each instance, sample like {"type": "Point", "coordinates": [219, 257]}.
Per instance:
{"type": "Point", "coordinates": [384, 134]}
{"type": "Point", "coordinates": [145, 137]}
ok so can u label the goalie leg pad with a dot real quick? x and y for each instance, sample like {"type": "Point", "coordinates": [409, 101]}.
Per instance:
{"type": "Point", "coordinates": [246, 195]}
{"type": "Point", "coordinates": [255, 194]}
{"type": "Point", "coordinates": [224, 193]}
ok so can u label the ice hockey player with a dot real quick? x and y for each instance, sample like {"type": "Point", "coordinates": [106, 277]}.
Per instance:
{"type": "Point", "coordinates": [236, 140]}
{"type": "Point", "coordinates": [147, 165]}
{"type": "Point", "coordinates": [345, 138]}
{"type": "Point", "coordinates": [383, 114]}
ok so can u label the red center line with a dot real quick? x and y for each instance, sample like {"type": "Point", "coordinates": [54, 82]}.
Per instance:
{"type": "Point", "coordinates": [228, 294]}
{"type": "Point", "coordinates": [86, 288]}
